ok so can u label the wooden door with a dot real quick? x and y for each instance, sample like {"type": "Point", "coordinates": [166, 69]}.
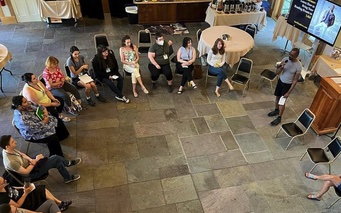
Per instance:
{"type": "Point", "coordinates": [26, 10]}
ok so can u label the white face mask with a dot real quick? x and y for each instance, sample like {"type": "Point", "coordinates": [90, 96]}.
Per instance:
{"type": "Point", "coordinates": [160, 42]}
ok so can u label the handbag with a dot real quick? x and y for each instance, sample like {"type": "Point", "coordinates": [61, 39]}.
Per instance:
{"type": "Point", "coordinates": [75, 104]}
{"type": "Point", "coordinates": [203, 60]}
{"type": "Point", "coordinates": [197, 72]}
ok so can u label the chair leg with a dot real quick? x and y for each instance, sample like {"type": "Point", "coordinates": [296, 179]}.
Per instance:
{"type": "Point", "coordinates": [329, 168]}
{"type": "Point", "coordinates": [334, 203]}
{"type": "Point", "coordinates": [259, 81]}
{"type": "Point", "coordinates": [278, 132]}
{"type": "Point", "coordinates": [303, 156]}
{"type": "Point", "coordinates": [289, 143]}
{"type": "Point", "coordinates": [311, 170]}
{"type": "Point", "coordinates": [272, 89]}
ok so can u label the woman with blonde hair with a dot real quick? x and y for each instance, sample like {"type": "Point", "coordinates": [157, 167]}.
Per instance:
{"type": "Point", "coordinates": [55, 82]}
{"type": "Point", "coordinates": [130, 58]}
{"type": "Point", "coordinates": [216, 60]}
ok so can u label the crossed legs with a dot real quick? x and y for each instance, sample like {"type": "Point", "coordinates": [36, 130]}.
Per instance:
{"type": "Point", "coordinates": [330, 181]}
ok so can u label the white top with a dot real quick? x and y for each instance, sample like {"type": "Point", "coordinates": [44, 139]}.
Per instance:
{"type": "Point", "coordinates": [214, 60]}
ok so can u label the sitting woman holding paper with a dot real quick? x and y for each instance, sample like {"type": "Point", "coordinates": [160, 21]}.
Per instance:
{"type": "Point", "coordinates": [30, 198]}
{"type": "Point", "coordinates": [79, 68]}
{"type": "Point", "coordinates": [36, 125]}
{"type": "Point", "coordinates": [55, 82]}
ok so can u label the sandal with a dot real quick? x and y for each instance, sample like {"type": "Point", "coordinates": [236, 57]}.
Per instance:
{"type": "Point", "coordinates": [64, 118]}
{"type": "Point", "coordinates": [145, 90]}
{"type": "Point", "coordinates": [135, 94]}
{"type": "Point", "coordinates": [310, 176]}
{"type": "Point", "coordinates": [217, 94]}
{"type": "Point", "coordinates": [313, 197]}
{"type": "Point", "coordinates": [180, 92]}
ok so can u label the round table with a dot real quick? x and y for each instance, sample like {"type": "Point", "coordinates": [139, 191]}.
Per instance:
{"type": "Point", "coordinates": [5, 56]}
{"type": "Point", "coordinates": [239, 43]}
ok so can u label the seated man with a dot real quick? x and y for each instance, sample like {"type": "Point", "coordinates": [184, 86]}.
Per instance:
{"type": "Point", "coordinates": [330, 180]}
{"type": "Point", "coordinates": [158, 55]}
{"type": "Point", "coordinates": [20, 163]}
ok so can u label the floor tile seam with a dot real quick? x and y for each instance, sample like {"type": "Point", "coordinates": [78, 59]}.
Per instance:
{"type": "Point", "coordinates": [257, 152]}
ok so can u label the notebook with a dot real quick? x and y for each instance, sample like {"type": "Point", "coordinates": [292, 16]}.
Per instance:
{"type": "Point", "coordinates": [85, 78]}
{"type": "Point", "coordinates": [40, 113]}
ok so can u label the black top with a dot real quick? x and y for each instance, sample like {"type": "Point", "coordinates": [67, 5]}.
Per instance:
{"type": "Point", "coordinates": [101, 66]}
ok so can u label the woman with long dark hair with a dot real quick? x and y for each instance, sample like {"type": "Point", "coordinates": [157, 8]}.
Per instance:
{"type": "Point", "coordinates": [185, 58]}
{"type": "Point", "coordinates": [216, 60]}
{"type": "Point", "coordinates": [78, 67]}
{"type": "Point", "coordinates": [106, 70]}
{"type": "Point", "coordinates": [130, 58]}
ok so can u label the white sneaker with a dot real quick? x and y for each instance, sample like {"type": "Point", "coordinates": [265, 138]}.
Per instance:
{"type": "Point", "coordinates": [123, 99]}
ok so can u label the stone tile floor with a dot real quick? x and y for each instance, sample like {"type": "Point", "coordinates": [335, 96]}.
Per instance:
{"type": "Point", "coordinates": [167, 152]}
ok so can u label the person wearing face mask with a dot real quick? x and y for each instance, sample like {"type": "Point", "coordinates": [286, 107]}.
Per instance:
{"type": "Point", "coordinates": [289, 71]}
{"type": "Point", "coordinates": [158, 55]}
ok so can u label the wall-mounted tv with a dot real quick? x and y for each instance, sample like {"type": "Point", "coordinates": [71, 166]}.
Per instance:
{"type": "Point", "coordinates": [321, 18]}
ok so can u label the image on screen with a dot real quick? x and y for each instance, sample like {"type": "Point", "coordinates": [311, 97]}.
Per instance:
{"type": "Point", "coordinates": [326, 21]}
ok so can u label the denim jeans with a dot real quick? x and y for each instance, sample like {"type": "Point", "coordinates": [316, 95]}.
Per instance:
{"type": "Point", "coordinates": [220, 72]}
{"type": "Point", "coordinates": [55, 161]}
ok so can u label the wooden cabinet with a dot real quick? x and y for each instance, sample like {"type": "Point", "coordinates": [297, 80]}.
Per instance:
{"type": "Point", "coordinates": [191, 12]}
{"type": "Point", "coordinates": [171, 13]}
{"type": "Point", "coordinates": [156, 13]}
{"type": "Point", "coordinates": [327, 106]}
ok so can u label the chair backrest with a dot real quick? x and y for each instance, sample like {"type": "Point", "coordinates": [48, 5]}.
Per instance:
{"type": "Point", "coordinates": [251, 29]}
{"type": "Point", "coordinates": [306, 118]}
{"type": "Point", "coordinates": [101, 39]}
{"type": "Point", "coordinates": [198, 35]}
{"type": "Point", "coordinates": [67, 70]}
{"type": "Point", "coordinates": [41, 79]}
{"type": "Point", "coordinates": [245, 65]}
{"type": "Point", "coordinates": [144, 39]}
{"type": "Point", "coordinates": [335, 147]}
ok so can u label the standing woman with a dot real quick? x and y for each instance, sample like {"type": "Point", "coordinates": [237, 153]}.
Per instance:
{"type": "Point", "coordinates": [77, 67]}
{"type": "Point", "coordinates": [185, 58]}
{"type": "Point", "coordinates": [106, 70]}
{"type": "Point", "coordinates": [130, 58]}
{"type": "Point", "coordinates": [216, 64]}
{"type": "Point", "coordinates": [55, 82]}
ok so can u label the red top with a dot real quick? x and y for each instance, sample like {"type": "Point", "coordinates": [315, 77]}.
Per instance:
{"type": "Point", "coordinates": [56, 76]}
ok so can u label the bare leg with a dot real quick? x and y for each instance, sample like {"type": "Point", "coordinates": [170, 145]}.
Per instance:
{"type": "Point", "coordinates": [170, 82]}
{"type": "Point", "coordinates": [217, 91]}
{"type": "Point", "coordinates": [276, 102]}
{"type": "Point", "coordinates": [49, 196]}
{"type": "Point", "coordinates": [94, 87]}
{"type": "Point", "coordinates": [330, 181]}
{"type": "Point", "coordinates": [134, 90]}
{"type": "Point", "coordinates": [229, 84]}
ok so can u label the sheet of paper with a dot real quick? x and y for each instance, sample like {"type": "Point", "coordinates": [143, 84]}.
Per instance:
{"type": "Point", "coordinates": [282, 101]}
{"type": "Point", "coordinates": [85, 78]}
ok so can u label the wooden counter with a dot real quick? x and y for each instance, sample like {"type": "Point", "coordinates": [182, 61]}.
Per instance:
{"type": "Point", "coordinates": [326, 106]}
{"type": "Point", "coordinates": [166, 12]}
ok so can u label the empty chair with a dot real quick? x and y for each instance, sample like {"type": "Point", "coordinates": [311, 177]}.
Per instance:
{"type": "Point", "coordinates": [243, 73]}
{"type": "Point", "coordinates": [320, 155]}
{"type": "Point", "coordinates": [144, 39]}
{"type": "Point", "coordinates": [101, 39]}
{"type": "Point", "coordinates": [338, 193]}
{"type": "Point", "coordinates": [268, 75]}
{"type": "Point", "coordinates": [299, 127]}
{"type": "Point", "coordinates": [251, 29]}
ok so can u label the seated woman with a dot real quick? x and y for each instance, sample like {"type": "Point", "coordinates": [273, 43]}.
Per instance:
{"type": "Point", "coordinates": [329, 181]}
{"type": "Point", "coordinates": [216, 64]}
{"type": "Point", "coordinates": [77, 67]}
{"type": "Point", "coordinates": [130, 58]}
{"type": "Point", "coordinates": [36, 92]}
{"type": "Point", "coordinates": [106, 70]}
{"type": "Point", "coordinates": [185, 58]}
{"type": "Point", "coordinates": [29, 198]}
{"type": "Point", "coordinates": [55, 82]}
{"type": "Point", "coordinates": [47, 207]}
{"type": "Point", "coordinates": [34, 128]}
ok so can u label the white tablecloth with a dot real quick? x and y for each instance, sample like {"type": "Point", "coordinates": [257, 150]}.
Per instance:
{"type": "Point", "coordinates": [5, 56]}
{"type": "Point", "coordinates": [238, 45]}
{"type": "Point", "coordinates": [222, 19]}
{"type": "Point", "coordinates": [326, 66]}
{"type": "Point", "coordinates": [63, 9]}
{"type": "Point", "coordinates": [283, 29]}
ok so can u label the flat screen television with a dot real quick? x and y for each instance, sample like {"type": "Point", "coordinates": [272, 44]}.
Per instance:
{"type": "Point", "coordinates": [321, 19]}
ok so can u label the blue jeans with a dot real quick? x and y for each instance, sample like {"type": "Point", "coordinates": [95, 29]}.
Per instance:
{"type": "Point", "coordinates": [55, 161]}
{"type": "Point", "coordinates": [220, 72]}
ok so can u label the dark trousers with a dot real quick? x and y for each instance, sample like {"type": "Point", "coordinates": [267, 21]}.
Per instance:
{"type": "Point", "coordinates": [186, 73]}
{"type": "Point", "coordinates": [117, 89]}
{"type": "Point", "coordinates": [56, 110]}
{"type": "Point", "coordinates": [52, 143]}
{"type": "Point", "coordinates": [54, 161]}
{"type": "Point", "coordinates": [155, 73]}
